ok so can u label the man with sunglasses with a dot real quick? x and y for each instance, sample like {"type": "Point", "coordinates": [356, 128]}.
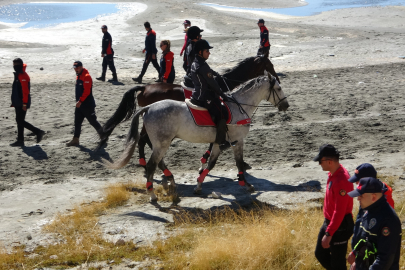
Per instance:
{"type": "Point", "coordinates": [338, 226]}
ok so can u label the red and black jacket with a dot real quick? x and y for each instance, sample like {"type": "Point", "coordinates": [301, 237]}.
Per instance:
{"type": "Point", "coordinates": [264, 36]}
{"type": "Point", "coordinates": [107, 44]}
{"type": "Point", "coordinates": [166, 65]}
{"type": "Point", "coordinates": [21, 89]}
{"type": "Point", "coordinates": [84, 89]}
{"type": "Point", "coordinates": [150, 42]}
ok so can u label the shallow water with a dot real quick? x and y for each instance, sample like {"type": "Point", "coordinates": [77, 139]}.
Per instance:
{"type": "Point", "coordinates": [41, 15]}
{"type": "Point", "coordinates": [318, 6]}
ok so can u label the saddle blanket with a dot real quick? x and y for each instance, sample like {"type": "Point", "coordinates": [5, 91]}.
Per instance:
{"type": "Point", "coordinates": [201, 115]}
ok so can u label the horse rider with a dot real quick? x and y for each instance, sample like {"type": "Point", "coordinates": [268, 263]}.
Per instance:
{"type": "Point", "coordinates": [150, 50]}
{"type": "Point", "coordinates": [193, 34]}
{"type": "Point", "coordinates": [206, 91]}
{"type": "Point", "coordinates": [264, 39]}
{"type": "Point", "coordinates": [107, 53]}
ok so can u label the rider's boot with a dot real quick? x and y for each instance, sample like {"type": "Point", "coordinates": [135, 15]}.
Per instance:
{"type": "Point", "coordinates": [115, 78]}
{"type": "Point", "coordinates": [221, 135]}
{"type": "Point", "coordinates": [102, 78]}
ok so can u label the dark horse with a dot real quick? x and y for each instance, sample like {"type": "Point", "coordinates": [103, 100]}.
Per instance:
{"type": "Point", "coordinates": [249, 68]}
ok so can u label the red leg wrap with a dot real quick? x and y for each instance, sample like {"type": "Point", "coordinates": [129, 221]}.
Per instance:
{"type": "Point", "coordinates": [149, 185]}
{"type": "Point", "coordinates": [203, 175]}
{"type": "Point", "coordinates": [205, 157]}
{"type": "Point", "coordinates": [241, 183]}
{"type": "Point", "coordinates": [167, 172]}
{"type": "Point", "coordinates": [142, 162]}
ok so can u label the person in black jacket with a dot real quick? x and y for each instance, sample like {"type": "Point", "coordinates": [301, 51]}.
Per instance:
{"type": "Point", "coordinates": [21, 101]}
{"type": "Point", "coordinates": [207, 91]}
{"type": "Point", "coordinates": [85, 103]}
{"type": "Point", "coordinates": [378, 233]}
{"type": "Point", "coordinates": [108, 55]}
{"type": "Point", "coordinates": [150, 50]}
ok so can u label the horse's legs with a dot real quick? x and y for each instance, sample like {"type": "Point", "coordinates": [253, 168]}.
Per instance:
{"type": "Point", "coordinates": [158, 152]}
{"type": "Point", "coordinates": [169, 176]}
{"type": "Point", "coordinates": [143, 140]}
{"type": "Point", "coordinates": [204, 158]}
{"type": "Point", "coordinates": [238, 153]}
{"type": "Point", "coordinates": [211, 163]}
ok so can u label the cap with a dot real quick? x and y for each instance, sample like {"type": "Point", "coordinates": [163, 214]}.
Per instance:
{"type": "Point", "coordinates": [367, 185]}
{"type": "Point", "coordinates": [202, 44]}
{"type": "Point", "coordinates": [77, 64]}
{"type": "Point", "coordinates": [193, 32]}
{"type": "Point", "coordinates": [260, 21]}
{"type": "Point", "coordinates": [326, 150]}
{"type": "Point", "coordinates": [364, 170]}
{"type": "Point", "coordinates": [187, 22]}
{"type": "Point", "coordinates": [104, 26]}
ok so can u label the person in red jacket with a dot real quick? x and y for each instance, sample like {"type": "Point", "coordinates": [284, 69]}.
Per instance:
{"type": "Point", "coordinates": [186, 24]}
{"type": "Point", "coordinates": [264, 48]}
{"type": "Point", "coordinates": [85, 103]}
{"type": "Point", "coordinates": [21, 101]}
{"type": "Point", "coordinates": [331, 246]}
{"type": "Point", "coordinates": [167, 73]}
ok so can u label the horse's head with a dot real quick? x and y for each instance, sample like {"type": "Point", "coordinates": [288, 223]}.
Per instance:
{"type": "Point", "coordinates": [276, 94]}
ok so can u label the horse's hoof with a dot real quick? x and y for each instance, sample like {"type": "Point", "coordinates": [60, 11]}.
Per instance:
{"type": "Point", "coordinates": [165, 185]}
{"type": "Point", "coordinates": [198, 191]}
{"type": "Point", "coordinates": [250, 189]}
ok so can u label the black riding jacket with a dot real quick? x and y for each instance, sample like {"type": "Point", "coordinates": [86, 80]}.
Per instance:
{"type": "Point", "coordinates": [106, 44]}
{"type": "Point", "coordinates": [190, 55]}
{"type": "Point", "coordinates": [382, 227]}
{"type": "Point", "coordinates": [205, 86]}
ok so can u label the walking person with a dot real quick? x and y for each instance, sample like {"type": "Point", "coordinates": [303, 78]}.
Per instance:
{"type": "Point", "coordinates": [150, 52]}
{"type": "Point", "coordinates": [331, 246]}
{"type": "Point", "coordinates": [85, 103]}
{"type": "Point", "coordinates": [264, 48]}
{"type": "Point", "coordinates": [167, 72]}
{"type": "Point", "coordinates": [186, 24]}
{"type": "Point", "coordinates": [377, 236]}
{"type": "Point", "coordinates": [21, 101]}
{"type": "Point", "coordinates": [107, 53]}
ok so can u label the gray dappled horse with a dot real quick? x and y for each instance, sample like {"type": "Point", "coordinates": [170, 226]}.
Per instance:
{"type": "Point", "coordinates": [169, 119]}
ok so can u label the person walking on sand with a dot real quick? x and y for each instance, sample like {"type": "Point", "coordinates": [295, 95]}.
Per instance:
{"type": "Point", "coordinates": [186, 24]}
{"type": "Point", "coordinates": [167, 72]}
{"type": "Point", "coordinates": [331, 246]}
{"type": "Point", "coordinates": [21, 101]}
{"type": "Point", "coordinates": [264, 48]}
{"type": "Point", "coordinates": [150, 52]}
{"type": "Point", "coordinates": [107, 53]}
{"type": "Point", "coordinates": [85, 103]}
{"type": "Point", "coordinates": [377, 236]}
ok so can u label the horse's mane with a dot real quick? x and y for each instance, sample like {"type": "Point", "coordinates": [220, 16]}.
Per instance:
{"type": "Point", "coordinates": [249, 84]}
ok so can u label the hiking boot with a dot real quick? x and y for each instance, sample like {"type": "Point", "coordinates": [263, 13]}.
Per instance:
{"type": "Point", "coordinates": [138, 80]}
{"type": "Point", "coordinates": [40, 135]}
{"type": "Point", "coordinates": [73, 142]}
{"type": "Point", "coordinates": [114, 79]}
{"type": "Point", "coordinates": [17, 144]}
{"type": "Point", "coordinates": [102, 78]}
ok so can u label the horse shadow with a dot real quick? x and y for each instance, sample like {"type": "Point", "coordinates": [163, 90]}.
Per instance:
{"type": "Point", "coordinates": [36, 152]}
{"type": "Point", "coordinates": [229, 186]}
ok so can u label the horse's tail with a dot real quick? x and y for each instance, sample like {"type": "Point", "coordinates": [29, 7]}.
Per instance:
{"type": "Point", "coordinates": [124, 112]}
{"type": "Point", "coordinates": [132, 140]}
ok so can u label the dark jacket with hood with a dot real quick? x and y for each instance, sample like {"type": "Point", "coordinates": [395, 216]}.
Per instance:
{"type": "Point", "coordinates": [21, 89]}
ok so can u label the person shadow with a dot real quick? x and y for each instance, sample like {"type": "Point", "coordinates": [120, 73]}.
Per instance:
{"type": "Point", "coordinates": [36, 152]}
{"type": "Point", "coordinates": [117, 83]}
{"type": "Point", "coordinates": [96, 154]}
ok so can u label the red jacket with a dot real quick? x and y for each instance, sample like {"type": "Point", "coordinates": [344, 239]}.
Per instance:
{"type": "Point", "coordinates": [166, 65]}
{"type": "Point", "coordinates": [21, 89]}
{"type": "Point", "coordinates": [388, 195]}
{"type": "Point", "coordinates": [185, 43]}
{"type": "Point", "coordinates": [337, 203]}
{"type": "Point", "coordinates": [264, 37]}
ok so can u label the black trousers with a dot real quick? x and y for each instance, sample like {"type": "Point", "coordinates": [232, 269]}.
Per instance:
{"type": "Point", "coordinates": [21, 124]}
{"type": "Point", "coordinates": [108, 60]}
{"type": "Point", "coordinates": [148, 59]}
{"type": "Point", "coordinates": [89, 114]}
{"type": "Point", "coordinates": [264, 51]}
{"type": "Point", "coordinates": [334, 258]}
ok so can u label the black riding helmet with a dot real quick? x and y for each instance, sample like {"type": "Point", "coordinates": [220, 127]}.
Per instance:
{"type": "Point", "coordinates": [194, 32]}
{"type": "Point", "coordinates": [201, 45]}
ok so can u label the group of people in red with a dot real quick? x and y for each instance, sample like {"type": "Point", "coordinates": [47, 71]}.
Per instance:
{"type": "Point", "coordinates": [376, 231]}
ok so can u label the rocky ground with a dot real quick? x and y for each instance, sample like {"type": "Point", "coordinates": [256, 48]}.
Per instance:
{"type": "Point", "coordinates": [345, 86]}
